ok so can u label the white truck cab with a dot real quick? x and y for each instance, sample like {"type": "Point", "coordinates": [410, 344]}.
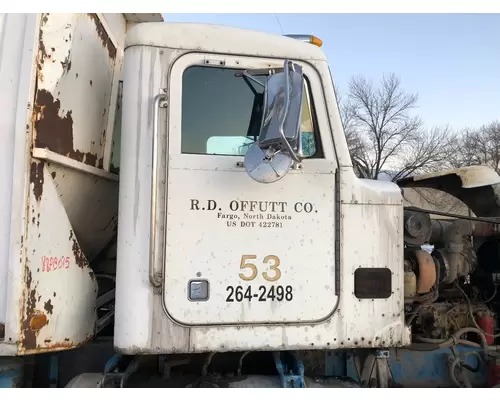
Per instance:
{"type": "Point", "coordinates": [242, 225]}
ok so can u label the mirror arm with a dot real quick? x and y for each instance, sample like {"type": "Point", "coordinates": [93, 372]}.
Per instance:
{"type": "Point", "coordinates": [248, 76]}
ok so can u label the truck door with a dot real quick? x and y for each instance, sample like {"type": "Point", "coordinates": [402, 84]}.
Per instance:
{"type": "Point", "coordinates": [238, 251]}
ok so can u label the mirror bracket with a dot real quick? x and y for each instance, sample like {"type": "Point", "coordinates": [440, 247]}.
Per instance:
{"type": "Point", "coordinates": [279, 145]}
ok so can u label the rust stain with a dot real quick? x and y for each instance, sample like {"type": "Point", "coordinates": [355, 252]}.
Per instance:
{"type": "Point", "coordinates": [42, 55]}
{"type": "Point", "coordinates": [42, 52]}
{"type": "Point", "coordinates": [80, 258]}
{"type": "Point", "coordinates": [55, 132]}
{"type": "Point", "coordinates": [29, 336]}
{"type": "Point", "coordinates": [53, 175]}
{"type": "Point", "coordinates": [48, 306]}
{"type": "Point", "coordinates": [38, 321]}
{"type": "Point", "coordinates": [91, 159]}
{"type": "Point", "coordinates": [36, 177]}
{"type": "Point", "coordinates": [57, 346]}
{"type": "Point", "coordinates": [103, 35]}
{"type": "Point", "coordinates": [427, 272]}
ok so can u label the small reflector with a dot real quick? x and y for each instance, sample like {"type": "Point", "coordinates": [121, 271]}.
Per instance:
{"type": "Point", "coordinates": [307, 38]}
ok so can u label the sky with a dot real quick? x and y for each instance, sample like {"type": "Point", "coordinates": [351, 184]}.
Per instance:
{"type": "Point", "coordinates": [451, 60]}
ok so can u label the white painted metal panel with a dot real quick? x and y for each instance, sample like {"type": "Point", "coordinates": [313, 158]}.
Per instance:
{"type": "Point", "coordinates": [142, 324]}
{"type": "Point", "coordinates": [59, 209]}
{"type": "Point", "coordinates": [267, 251]}
{"type": "Point", "coordinates": [17, 52]}
{"type": "Point", "coordinates": [76, 61]}
{"type": "Point", "coordinates": [134, 321]}
{"type": "Point", "coordinates": [220, 39]}
{"type": "Point", "coordinates": [60, 288]}
{"type": "Point", "coordinates": [219, 220]}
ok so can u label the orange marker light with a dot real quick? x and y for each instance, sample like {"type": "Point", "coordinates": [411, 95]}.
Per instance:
{"type": "Point", "coordinates": [316, 41]}
{"type": "Point", "coordinates": [307, 38]}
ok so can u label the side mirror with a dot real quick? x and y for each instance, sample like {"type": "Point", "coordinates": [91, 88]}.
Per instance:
{"type": "Point", "coordinates": [279, 143]}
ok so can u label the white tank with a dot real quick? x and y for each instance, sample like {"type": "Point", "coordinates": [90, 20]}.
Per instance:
{"type": "Point", "coordinates": [60, 78]}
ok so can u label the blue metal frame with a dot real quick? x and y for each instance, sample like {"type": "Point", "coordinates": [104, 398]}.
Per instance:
{"type": "Point", "coordinates": [11, 372]}
{"type": "Point", "coordinates": [290, 370]}
{"type": "Point", "coordinates": [54, 371]}
{"type": "Point", "coordinates": [425, 369]}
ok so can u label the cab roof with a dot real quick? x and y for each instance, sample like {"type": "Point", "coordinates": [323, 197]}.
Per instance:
{"type": "Point", "coordinates": [220, 39]}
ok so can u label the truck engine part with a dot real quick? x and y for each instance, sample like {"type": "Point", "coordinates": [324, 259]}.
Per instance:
{"type": "Point", "coordinates": [441, 320]}
{"type": "Point", "coordinates": [417, 228]}
{"type": "Point", "coordinates": [426, 271]}
{"type": "Point", "coordinates": [453, 261]}
{"type": "Point", "coordinates": [410, 280]}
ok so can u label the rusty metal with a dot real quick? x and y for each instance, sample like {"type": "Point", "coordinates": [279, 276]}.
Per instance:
{"type": "Point", "coordinates": [478, 187]}
{"type": "Point", "coordinates": [55, 132]}
{"type": "Point", "coordinates": [28, 335]}
{"type": "Point", "coordinates": [65, 206]}
{"type": "Point", "coordinates": [106, 41]}
{"type": "Point", "coordinates": [426, 271]}
{"type": "Point", "coordinates": [48, 306]}
{"type": "Point", "coordinates": [80, 258]}
{"type": "Point", "coordinates": [484, 229]}
{"type": "Point", "coordinates": [38, 321]}
{"type": "Point", "coordinates": [60, 94]}
{"type": "Point", "coordinates": [36, 177]}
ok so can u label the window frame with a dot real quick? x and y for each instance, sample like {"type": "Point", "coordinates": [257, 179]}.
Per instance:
{"type": "Point", "coordinates": [311, 111]}
{"type": "Point", "coordinates": [317, 101]}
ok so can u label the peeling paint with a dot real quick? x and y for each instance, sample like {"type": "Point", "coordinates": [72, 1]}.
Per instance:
{"type": "Point", "coordinates": [29, 336]}
{"type": "Point", "coordinates": [55, 132]}
{"type": "Point", "coordinates": [80, 258]}
{"type": "Point", "coordinates": [36, 177]}
{"type": "Point", "coordinates": [48, 306]}
{"type": "Point", "coordinates": [103, 35]}
{"type": "Point", "coordinates": [38, 321]}
{"type": "Point", "coordinates": [66, 64]}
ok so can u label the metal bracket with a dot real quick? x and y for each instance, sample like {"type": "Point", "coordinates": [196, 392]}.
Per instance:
{"type": "Point", "coordinates": [378, 362]}
{"type": "Point", "coordinates": [382, 354]}
{"type": "Point", "coordinates": [290, 369]}
{"type": "Point", "coordinates": [113, 378]}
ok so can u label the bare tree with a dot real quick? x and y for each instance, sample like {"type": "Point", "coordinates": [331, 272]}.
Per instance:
{"type": "Point", "coordinates": [381, 133]}
{"type": "Point", "coordinates": [426, 152]}
{"type": "Point", "coordinates": [356, 143]}
{"type": "Point", "coordinates": [479, 146]}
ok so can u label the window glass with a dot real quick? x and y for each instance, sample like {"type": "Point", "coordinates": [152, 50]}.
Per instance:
{"type": "Point", "coordinates": [222, 112]}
